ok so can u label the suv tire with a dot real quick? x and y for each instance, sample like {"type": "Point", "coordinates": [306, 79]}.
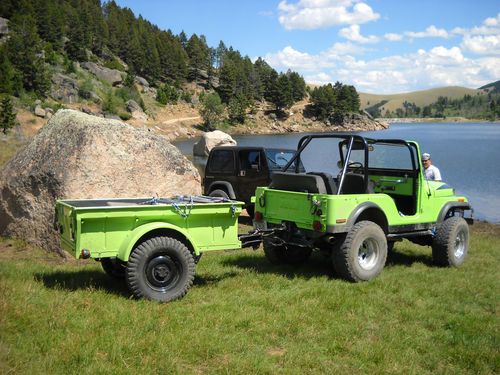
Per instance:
{"type": "Point", "coordinates": [362, 255]}
{"type": "Point", "coordinates": [451, 244]}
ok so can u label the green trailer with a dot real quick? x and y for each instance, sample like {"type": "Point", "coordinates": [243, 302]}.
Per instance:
{"type": "Point", "coordinates": [153, 243]}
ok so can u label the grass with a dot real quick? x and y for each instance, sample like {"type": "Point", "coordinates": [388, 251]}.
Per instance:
{"type": "Point", "coordinates": [421, 98]}
{"type": "Point", "coordinates": [243, 315]}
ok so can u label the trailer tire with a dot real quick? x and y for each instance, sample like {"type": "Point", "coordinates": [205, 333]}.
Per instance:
{"type": "Point", "coordinates": [160, 269]}
{"type": "Point", "coordinates": [219, 193]}
{"type": "Point", "coordinates": [281, 254]}
{"type": "Point", "coordinates": [114, 267]}
{"type": "Point", "coordinates": [362, 255]}
{"type": "Point", "coordinates": [451, 243]}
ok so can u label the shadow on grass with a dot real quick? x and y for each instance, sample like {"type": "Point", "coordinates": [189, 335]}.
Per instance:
{"type": "Point", "coordinates": [208, 280]}
{"type": "Point", "coordinates": [316, 266]}
{"type": "Point", "coordinates": [95, 280]}
{"type": "Point", "coordinates": [83, 280]}
{"type": "Point", "coordinates": [395, 258]}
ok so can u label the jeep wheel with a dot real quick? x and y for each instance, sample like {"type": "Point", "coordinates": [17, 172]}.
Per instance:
{"type": "Point", "coordinates": [362, 255]}
{"type": "Point", "coordinates": [160, 269]}
{"type": "Point", "coordinates": [113, 267]}
{"type": "Point", "coordinates": [451, 244]}
{"type": "Point", "coordinates": [219, 193]}
{"type": "Point", "coordinates": [281, 254]}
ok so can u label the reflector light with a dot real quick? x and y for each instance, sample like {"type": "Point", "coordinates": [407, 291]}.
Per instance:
{"type": "Point", "coordinates": [317, 225]}
{"type": "Point", "coordinates": [257, 216]}
{"type": "Point", "coordinates": [340, 221]}
{"type": "Point", "coordinates": [461, 199]}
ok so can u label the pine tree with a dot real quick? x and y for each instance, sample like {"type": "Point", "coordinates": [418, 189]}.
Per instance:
{"type": "Point", "coordinates": [7, 115]}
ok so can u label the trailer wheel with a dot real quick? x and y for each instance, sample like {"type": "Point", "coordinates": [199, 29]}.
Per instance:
{"type": "Point", "coordinates": [451, 244]}
{"type": "Point", "coordinates": [219, 193]}
{"type": "Point", "coordinates": [281, 254]}
{"type": "Point", "coordinates": [362, 255]}
{"type": "Point", "coordinates": [160, 269]}
{"type": "Point", "coordinates": [113, 267]}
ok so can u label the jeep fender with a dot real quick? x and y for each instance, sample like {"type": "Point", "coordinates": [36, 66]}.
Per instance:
{"type": "Point", "coordinates": [224, 185]}
{"type": "Point", "coordinates": [451, 205]}
{"type": "Point", "coordinates": [374, 213]}
{"type": "Point", "coordinates": [130, 242]}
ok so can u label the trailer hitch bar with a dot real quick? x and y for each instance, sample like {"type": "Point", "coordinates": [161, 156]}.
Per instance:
{"type": "Point", "coordinates": [254, 238]}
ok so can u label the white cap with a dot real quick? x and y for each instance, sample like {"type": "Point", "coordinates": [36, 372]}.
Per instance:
{"type": "Point", "coordinates": [426, 156]}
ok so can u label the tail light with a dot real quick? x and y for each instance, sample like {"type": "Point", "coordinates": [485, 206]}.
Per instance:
{"type": "Point", "coordinates": [317, 226]}
{"type": "Point", "coordinates": [258, 216]}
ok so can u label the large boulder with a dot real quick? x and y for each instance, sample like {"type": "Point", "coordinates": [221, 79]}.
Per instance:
{"type": "Point", "coordinates": [112, 76]}
{"type": "Point", "coordinates": [81, 156]}
{"type": "Point", "coordinates": [210, 140]}
{"type": "Point", "coordinates": [136, 110]}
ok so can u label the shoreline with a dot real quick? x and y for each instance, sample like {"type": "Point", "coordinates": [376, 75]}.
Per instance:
{"type": "Point", "coordinates": [436, 120]}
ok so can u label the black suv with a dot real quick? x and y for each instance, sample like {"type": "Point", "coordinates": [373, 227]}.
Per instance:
{"type": "Point", "coordinates": [234, 172]}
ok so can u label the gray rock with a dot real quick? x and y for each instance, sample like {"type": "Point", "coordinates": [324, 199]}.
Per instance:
{"type": "Point", "coordinates": [64, 88]}
{"type": "Point", "coordinates": [112, 76]}
{"type": "Point", "coordinates": [38, 102]}
{"type": "Point", "coordinates": [142, 81]}
{"type": "Point", "coordinates": [210, 140]}
{"type": "Point", "coordinates": [112, 116]}
{"type": "Point", "coordinates": [136, 110]}
{"type": "Point", "coordinates": [39, 111]}
{"type": "Point", "coordinates": [80, 156]}
{"type": "Point", "coordinates": [4, 27]}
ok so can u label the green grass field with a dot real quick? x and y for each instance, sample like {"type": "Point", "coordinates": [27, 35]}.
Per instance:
{"type": "Point", "coordinates": [244, 315]}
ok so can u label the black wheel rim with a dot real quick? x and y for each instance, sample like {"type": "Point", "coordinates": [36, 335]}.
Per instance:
{"type": "Point", "coordinates": [163, 273]}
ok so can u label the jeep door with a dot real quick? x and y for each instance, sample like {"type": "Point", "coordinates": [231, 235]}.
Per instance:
{"type": "Point", "coordinates": [253, 172]}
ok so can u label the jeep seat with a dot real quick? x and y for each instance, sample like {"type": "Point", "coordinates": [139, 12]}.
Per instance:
{"type": "Point", "coordinates": [354, 184]}
{"type": "Point", "coordinates": [300, 182]}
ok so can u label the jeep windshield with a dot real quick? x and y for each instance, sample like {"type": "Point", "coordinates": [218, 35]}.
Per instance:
{"type": "Point", "coordinates": [278, 158]}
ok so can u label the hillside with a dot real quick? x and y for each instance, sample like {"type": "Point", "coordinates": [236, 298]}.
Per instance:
{"type": "Point", "coordinates": [420, 98]}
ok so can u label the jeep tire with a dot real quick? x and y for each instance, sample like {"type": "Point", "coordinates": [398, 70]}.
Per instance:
{"type": "Point", "coordinates": [451, 243]}
{"type": "Point", "coordinates": [362, 255]}
{"type": "Point", "coordinates": [160, 269]}
{"type": "Point", "coordinates": [219, 193]}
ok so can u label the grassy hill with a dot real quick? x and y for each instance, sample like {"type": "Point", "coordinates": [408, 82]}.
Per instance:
{"type": "Point", "coordinates": [420, 98]}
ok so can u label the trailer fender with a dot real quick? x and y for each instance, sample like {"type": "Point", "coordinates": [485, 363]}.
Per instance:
{"type": "Point", "coordinates": [130, 242]}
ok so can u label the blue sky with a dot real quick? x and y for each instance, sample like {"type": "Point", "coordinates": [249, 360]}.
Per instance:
{"type": "Point", "coordinates": [379, 46]}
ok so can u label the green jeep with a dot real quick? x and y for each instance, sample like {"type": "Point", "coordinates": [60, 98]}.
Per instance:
{"type": "Point", "coordinates": [373, 195]}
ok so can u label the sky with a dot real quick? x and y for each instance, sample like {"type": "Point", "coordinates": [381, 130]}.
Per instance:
{"type": "Point", "coordinates": [379, 46]}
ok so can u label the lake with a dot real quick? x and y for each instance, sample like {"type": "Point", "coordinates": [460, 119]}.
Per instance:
{"type": "Point", "coordinates": [467, 154]}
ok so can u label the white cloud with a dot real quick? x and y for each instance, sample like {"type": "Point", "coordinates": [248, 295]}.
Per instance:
{"type": "Point", "coordinates": [353, 33]}
{"type": "Point", "coordinates": [439, 66]}
{"type": "Point", "coordinates": [315, 14]}
{"type": "Point", "coordinates": [393, 37]}
{"type": "Point", "coordinates": [482, 44]}
{"type": "Point", "coordinates": [431, 32]}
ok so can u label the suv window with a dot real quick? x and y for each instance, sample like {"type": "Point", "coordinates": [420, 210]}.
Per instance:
{"type": "Point", "coordinates": [277, 159]}
{"type": "Point", "coordinates": [222, 161]}
{"type": "Point", "coordinates": [249, 159]}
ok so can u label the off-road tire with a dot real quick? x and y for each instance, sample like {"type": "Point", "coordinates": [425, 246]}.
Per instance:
{"type": "Point", "coordinates": [160, 269]}
{"type": "Point", "coordinates": [362, 255]}
{"type": "Point", "coordinates": [281, 254]}
{"type": "Point", "coordinates": [451, 243]}
{"type": "Point", "coordinates": [114, 267]}
{"type": "Point", "coordinates": [219, 193]}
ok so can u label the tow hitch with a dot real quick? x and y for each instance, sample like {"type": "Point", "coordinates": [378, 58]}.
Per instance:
{"type": "Point", "coordinates": [254, 238]}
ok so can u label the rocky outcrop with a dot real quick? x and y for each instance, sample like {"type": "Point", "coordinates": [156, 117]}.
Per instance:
{"type": "Point", "coordinates": [136, 110]}
{"type": "Point", "coordinates": [112, 76]}
{"type": "Point", "coordinates": [210, 140]}
{"type": "Point", "coordinates": [81, 156]}
{"type": "Point", "coordinates": [64, 88]}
